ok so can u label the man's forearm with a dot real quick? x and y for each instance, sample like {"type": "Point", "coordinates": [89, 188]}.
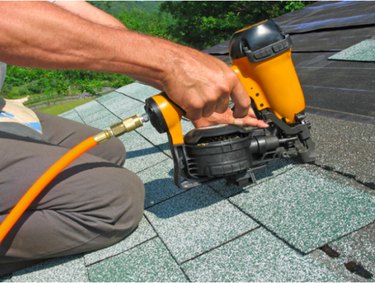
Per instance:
{"type": "Point", "coordinates": [42, 35]}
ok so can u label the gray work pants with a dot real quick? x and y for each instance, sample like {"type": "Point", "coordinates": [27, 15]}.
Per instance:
{"type": "Point", "coordinates": [92, 204]}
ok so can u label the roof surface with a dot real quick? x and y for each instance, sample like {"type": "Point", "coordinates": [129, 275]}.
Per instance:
{"type": "Point", "coordinates": [297, 223]}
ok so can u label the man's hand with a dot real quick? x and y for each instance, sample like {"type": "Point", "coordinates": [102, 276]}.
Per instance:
{"type": "Point", "coordinates": [201, 85]}
{"type": "Point", "coordinates": [227, 118]}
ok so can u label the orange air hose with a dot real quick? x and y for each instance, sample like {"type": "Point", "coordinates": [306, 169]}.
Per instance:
{"type": "Point", "coordinates": [33, 192]}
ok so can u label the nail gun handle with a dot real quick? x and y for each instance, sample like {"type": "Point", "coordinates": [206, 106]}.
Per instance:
{"type": "Point", "coordinates": [262, 59]}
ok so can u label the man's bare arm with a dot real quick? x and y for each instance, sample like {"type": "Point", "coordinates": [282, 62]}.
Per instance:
{"type": "Point", "coordinates": [39, 34]}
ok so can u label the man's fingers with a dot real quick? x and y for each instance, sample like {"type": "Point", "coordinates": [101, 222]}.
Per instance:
{"type": "Point", "coordinates": [208, 109]}
{"type": "Point", "coordinates": [241, 101]}
{"type": "Point", "coordinates": [222, 104]}
{"type": "Point", "coordinates": [193, 114]}
{"type": "Point", "coordinates": [248, 121]}
{"type": "Point", "coordinates": [251, 113]}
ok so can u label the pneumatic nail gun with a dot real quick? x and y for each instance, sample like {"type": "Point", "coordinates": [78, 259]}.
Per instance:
{"type": "Point", "coordinates": [261, 57]}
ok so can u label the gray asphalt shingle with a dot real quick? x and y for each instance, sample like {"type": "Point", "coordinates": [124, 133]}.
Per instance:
{"type": "Point", "coordinates": [257, 256]}
{"type": "Point", "coordinates": [159, 183]}
{"type": "Point", "coordinates": [200, 220]}
{"type": "Point", "coordinates": [65, 269]}
{"type": "Point", "coordinates": [308, 207]}
{"type": "Point", "coordinates": [357, 247]}
{"type": "Point", "coordinates": [138, 91]}
{"type": "Point", "coordinates": [362, 51]}
{"type": "Point", "coordinates": [274, 168]}
{"type": "Point", "coordinates": [345, 146]}
{"type": "Point", "coordinates": [148, 262]}
{"type": "Point", "coordinates": [96, 115]}
{"type": "Point", "coordinates": [143, 233]}
{"type": "Point", "coordinates": [140, 154]}
{"type": "Point", "coordinates": [120, 105]}
{"type": "Point", "coordinates": [72, 115]}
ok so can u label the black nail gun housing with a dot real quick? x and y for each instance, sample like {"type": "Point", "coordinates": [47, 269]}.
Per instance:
{"type": "Point", "coordinates": [217, 152]}
{"type": "Point", "coordinates": [233, 153]}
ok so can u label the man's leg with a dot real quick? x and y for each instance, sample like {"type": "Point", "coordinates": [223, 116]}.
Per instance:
{"type": "Point", "coordinates": [91, 205]}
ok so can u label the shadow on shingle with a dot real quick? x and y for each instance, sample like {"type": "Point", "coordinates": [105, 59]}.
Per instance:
{"type": "Point", "coordinates": [187, 201]}
{"type": "Point", "coordinates": [159, 184]}
{"type": "Point", "coordinates": [5, 279]}
{"type": "Point", "coordinates": [271, 170]}
{"type": "Point", "coordinates": [141, 152]}
{"type": "Point", "coordinates": [175, 208]}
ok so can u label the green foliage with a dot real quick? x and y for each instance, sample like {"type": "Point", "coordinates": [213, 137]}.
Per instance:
{"type": "Point", "coordinates": [44, 85]}
{"type": "Point", "coordinates": [141, 16]}
{"type": "Point", "coordinates": [205, 23]}
{"type": "Point", "coordinates": [117, 7]}
{"type": "Point", "coordinates": [294, 5]}
{"type": "Point", "coordinates": [152, 23]}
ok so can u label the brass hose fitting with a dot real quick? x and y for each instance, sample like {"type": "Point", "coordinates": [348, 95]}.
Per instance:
{"type": "Point", "coordinates": [103, 136]}
{"type": "Point", "coordinates": [125, 126]}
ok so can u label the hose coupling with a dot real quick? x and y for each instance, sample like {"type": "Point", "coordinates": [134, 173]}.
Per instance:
{"type": "Point", "coordinates": [103, 136]}
{"type": "Point", "coordinates": [125, 126]}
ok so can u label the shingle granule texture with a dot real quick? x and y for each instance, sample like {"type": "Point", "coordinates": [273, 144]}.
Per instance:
{"type": "Point", "coordinates": [308, 206]}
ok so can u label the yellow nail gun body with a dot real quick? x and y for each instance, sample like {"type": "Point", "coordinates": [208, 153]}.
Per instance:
{"type": "Point", "coordinates": [261, 58]}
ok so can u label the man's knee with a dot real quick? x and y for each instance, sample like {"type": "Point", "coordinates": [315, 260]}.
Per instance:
{"type": "Point", "coordinates": [106, 199]}
{"type": "Point", "coordinates": [113, 150]}
{"type": "Point", "coordinates": [127, 206]}
{"type": "Point", "coordinates": [134, 196]}
{"type": "Point", "coordinates": [118, 208]}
